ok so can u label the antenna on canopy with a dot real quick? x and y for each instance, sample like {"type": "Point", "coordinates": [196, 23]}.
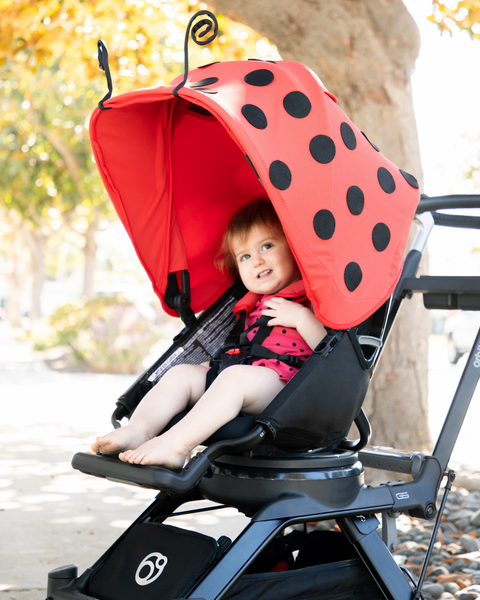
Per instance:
{"type": "Point", "coordinates": [208, 24]}
{"type": "Point", "coordinates": [104, 66]}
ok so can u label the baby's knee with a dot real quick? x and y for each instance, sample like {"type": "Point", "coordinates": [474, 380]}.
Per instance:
{"type": "Point", "coordinates": [185, 372]}
{"type": "Point", "coordinates": [236, 373]}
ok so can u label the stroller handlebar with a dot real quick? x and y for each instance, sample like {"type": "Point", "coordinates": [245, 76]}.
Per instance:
{"type": "Point", "coordinates": [453, 201]}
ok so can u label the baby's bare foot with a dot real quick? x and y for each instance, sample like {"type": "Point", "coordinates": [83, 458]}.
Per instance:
{"type": "Point", "coordinates": [162, 450]}
{"type": "Point", "coordinates": [119, 440]}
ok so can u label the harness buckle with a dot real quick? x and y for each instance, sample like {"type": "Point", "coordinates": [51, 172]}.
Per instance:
{"type": "Point", "coordinates": [233, 351]}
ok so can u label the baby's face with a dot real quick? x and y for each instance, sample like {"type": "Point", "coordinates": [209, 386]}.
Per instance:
{"type": "Point", "coordinates": [265, 262]}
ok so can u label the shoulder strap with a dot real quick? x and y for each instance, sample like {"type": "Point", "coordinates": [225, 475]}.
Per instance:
{"type": "Point", "coordinates": [263, 332]}
{"type": "Point", "coordinates": [235, 333]}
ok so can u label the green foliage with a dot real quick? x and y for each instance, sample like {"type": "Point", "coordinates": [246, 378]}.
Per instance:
{"type": "Point", "coordinates": [107, 334]}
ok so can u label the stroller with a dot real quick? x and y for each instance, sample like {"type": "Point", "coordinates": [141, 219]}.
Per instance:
{"type": "Point", "coordinates": [245, 129]}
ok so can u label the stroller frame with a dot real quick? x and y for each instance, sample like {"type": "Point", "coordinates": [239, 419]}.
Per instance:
{"type": "Point", "coordinates": [278, 489]}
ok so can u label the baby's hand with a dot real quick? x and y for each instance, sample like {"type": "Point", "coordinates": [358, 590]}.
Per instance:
{"type": "Point", "coordinates": [290, 314]}
{"type": "Point", "coordinates": [284, 312]}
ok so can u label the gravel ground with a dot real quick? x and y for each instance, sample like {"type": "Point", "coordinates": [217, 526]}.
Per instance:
{"type": "Point", "coordinates": [454, 568]}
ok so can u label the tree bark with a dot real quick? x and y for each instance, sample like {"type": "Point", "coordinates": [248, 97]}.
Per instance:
{"type": "Point", "coordinates": [89, 254]}
{"type": "Point", "coordinates": [17, 277]}
{"type": "Point", "coordinates": [36, 242]}
{"type": "Point", "coordinates": [364, 53]}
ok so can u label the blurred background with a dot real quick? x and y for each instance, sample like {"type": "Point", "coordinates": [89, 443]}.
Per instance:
{"type": "Point", "coordinates": [69, 277]}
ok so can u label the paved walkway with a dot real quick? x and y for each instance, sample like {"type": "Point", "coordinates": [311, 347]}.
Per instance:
{"type": "Point", "coordinates": [51, 515]}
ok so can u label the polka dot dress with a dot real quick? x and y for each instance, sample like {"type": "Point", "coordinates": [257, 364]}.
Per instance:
{"type": "Point", "coordinates": [282, 340]}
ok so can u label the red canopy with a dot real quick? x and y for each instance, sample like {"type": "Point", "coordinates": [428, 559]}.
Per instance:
{"type": "Point", "coordinates": [177, 169]}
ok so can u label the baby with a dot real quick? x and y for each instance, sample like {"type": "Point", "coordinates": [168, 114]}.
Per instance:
{"type": "Point", "coordinates": [255, 249]}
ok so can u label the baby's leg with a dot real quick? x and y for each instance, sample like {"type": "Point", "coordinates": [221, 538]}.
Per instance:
{"type": "Point", "coordinates": [179, 386]}
{"type": "Point", "coordinates": [239, 388]}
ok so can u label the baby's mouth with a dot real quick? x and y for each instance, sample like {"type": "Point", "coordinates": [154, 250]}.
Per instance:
{"type": "Point", "coordinates": [264, 273]}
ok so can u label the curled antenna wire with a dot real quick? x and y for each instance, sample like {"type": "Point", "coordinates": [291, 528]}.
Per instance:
{"type": "Point", "coordinates": [104, 66]}
{"type": "Point", "coordinates": [208, 25]}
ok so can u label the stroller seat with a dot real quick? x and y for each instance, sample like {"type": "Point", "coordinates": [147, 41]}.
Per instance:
{"type": "Point", "coordinates": [254, 459]}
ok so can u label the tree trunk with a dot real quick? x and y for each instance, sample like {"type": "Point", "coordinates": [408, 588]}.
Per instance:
{"type": "Point", "coordinates": [364, 53]}
{"type": "Point", "coordinates": [17, 277]}
{"type": "Point", "coordinates": [36, 241]}
{"type": "Point", "coordinates": [89, 254]}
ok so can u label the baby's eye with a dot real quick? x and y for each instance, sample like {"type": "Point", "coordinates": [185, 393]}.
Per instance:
{"type": "Point", "coordinates": [244, 257]}
{"type": "Point", "coordinates": [267, 246]}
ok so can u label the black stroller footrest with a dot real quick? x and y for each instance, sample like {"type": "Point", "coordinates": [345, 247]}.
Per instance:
{"type": "Point", "coordinates": [151, 477]}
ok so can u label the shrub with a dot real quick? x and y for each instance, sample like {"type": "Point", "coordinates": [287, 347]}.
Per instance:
{"type": "Point", "coordinates": [107, 334]}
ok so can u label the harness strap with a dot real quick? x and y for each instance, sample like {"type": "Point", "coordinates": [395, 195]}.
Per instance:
{"type": "Point", "coordinates": [234, 335]}
{"type": "Point", "coordinates": [263, 332]}
{"type": "Point", "coordinates": [258, 351]}
{"type": "Point", "coordinates": [238, 349]}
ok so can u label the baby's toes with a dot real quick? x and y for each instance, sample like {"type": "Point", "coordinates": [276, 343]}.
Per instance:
{"type": "Point", "coordinates": [125, 456]}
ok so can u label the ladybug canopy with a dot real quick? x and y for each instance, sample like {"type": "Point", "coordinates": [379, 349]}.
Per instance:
{"type": "Point", "coordinates": [178, 167]}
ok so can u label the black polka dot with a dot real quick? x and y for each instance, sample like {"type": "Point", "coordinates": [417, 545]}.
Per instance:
{"type": "Point", "coordinates": [278, 344]}
{"type": "Point", "coordinates": [355, 200]}
{"type": "Point", "coordinates": [278, 362]}
{"type": "Point", "coordinates": [284, 331]}
{"type": "Point", "coordinates": [293, 344]}
{"type": "Point", "coordinates": [280, 175]}
{"type": "Point", "coordinates": [380, 236]}
{"type": "Point", "coordinates": [204, 82]}
{"type": "Point", "coordinates": [386, 180]}
{"type": "Point", "coordinates": [255, 116]}
{"type": "Point", "coordinates": [302, 350]}
{"type": "Point", "coordinates": [353, 276]}
{"type": "Point", "coordinates": [324, 224]}
{"type": "Point", "coordinates": [348, 136]}
{"type": "Point", "coordinates": [322, 148]}
{"type": "Point", "coordinates": [290, 369]}
{"type": "Point", "coordinates": [410, 179]}
{"type": "Point", "coordinates": [371, 143]}
{"type": "Point", "coordinates": [259, 78]}
{"type": "Point", "coordinates": [297, 105]}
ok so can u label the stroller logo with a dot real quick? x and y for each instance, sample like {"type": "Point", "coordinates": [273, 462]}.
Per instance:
{"type": "Point", "coordinates": [155, 563]}
{"type": "Point", "coordinates": [476, 362]}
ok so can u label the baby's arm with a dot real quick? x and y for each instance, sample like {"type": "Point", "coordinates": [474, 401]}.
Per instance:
{"type": "Point", "coordinates": [290, 314]}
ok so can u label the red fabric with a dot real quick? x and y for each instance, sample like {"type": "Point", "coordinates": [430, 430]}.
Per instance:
{"type": "Point", "coordinates": [279, 566]}
{"type": "Point", "coordinates": [282, 340]}
{"type": "Point", "coordinates": [175, 178]}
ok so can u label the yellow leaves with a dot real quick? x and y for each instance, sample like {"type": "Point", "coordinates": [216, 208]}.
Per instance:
{"type": "Point", "coordinates": [36, 34]}
{"type": "Point", "coordinates": [464, 16]}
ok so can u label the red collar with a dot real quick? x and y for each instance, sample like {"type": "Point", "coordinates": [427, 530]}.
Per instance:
{"type": "Point", "coordinates": [293, 291]}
